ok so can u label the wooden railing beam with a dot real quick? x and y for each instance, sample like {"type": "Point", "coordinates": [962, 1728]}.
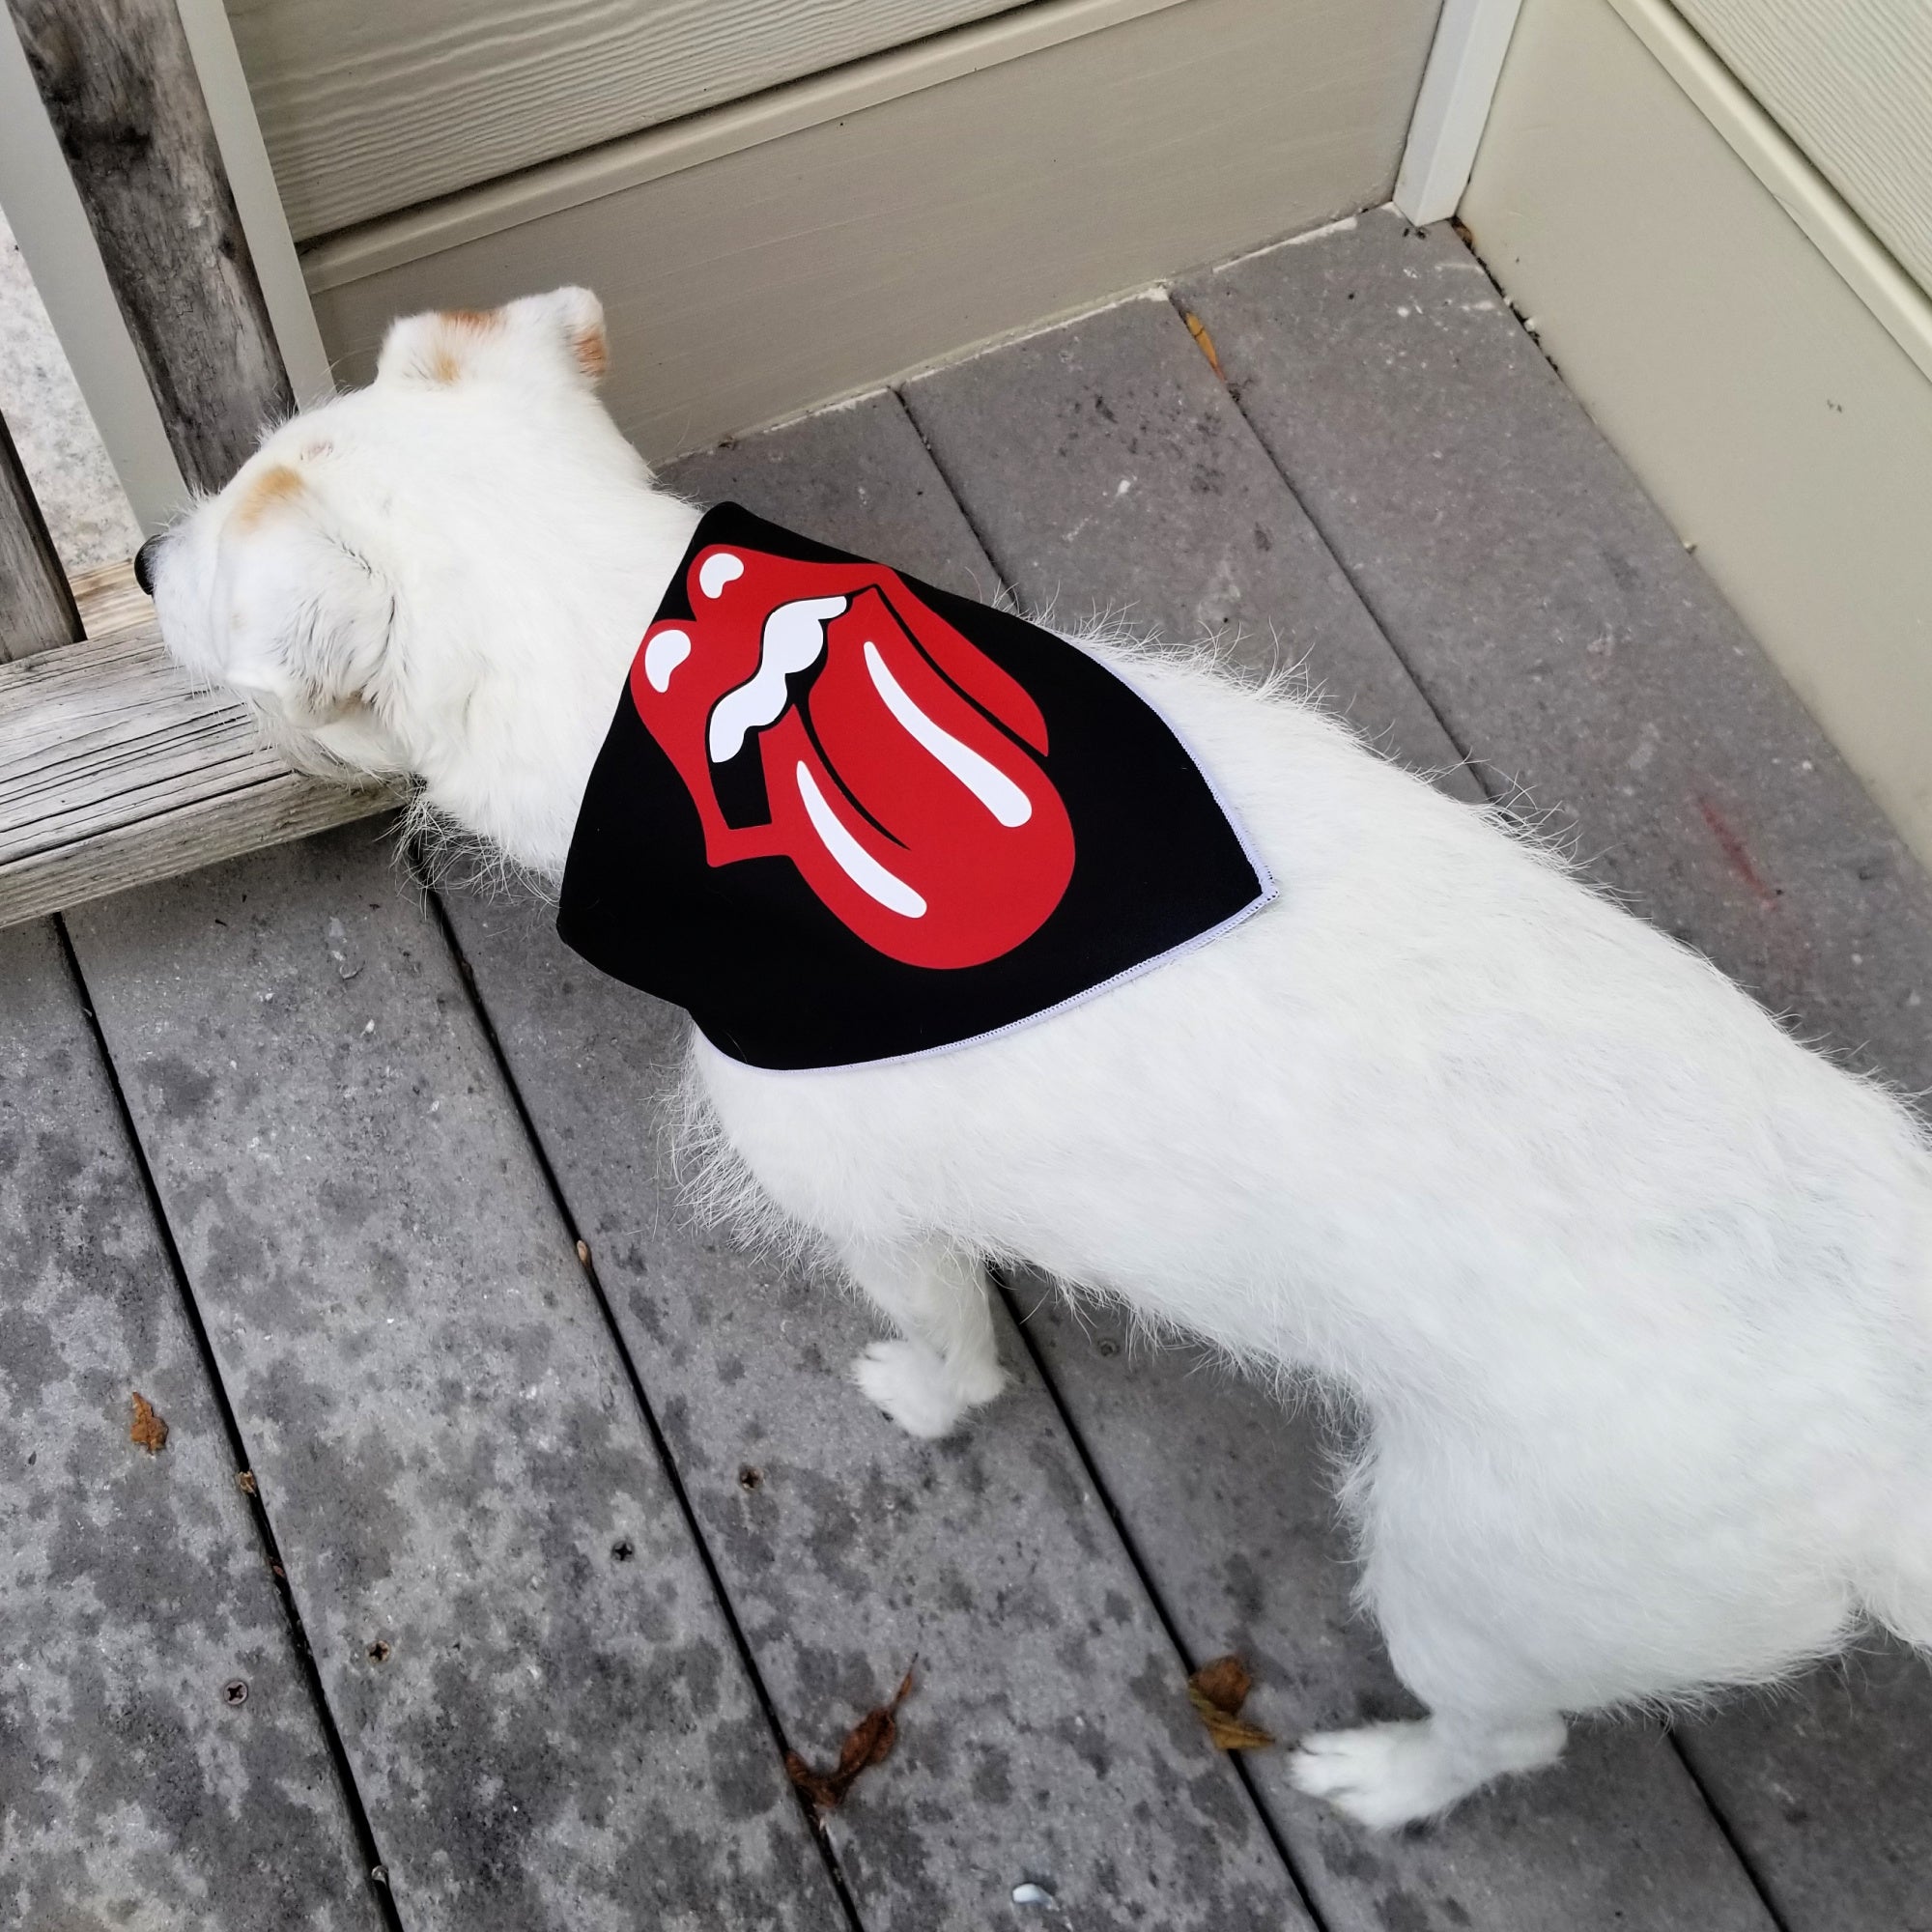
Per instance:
{"type": "Point", "coordinates": [116, 769]}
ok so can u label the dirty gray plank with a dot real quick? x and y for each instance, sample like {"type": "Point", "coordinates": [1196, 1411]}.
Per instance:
{"type": "Point", "coordinates": [133, 1589]}
{"type": "Point", "coordinates": [1049, 1737]}
{"type": "Point", "coordinates": [1106, 470]}
{"type": "Point", "coordinates": [854, 476]}
{"type": "Point", "coordinates": [1231, 1503]}
{"type": "Point", "coordinates": [1560, 630]}
{"type": "Point", "coordinates": [542, 1704]}
{"type": "Point", "coordinates": [1225, 1495]}
{"type": "Point", "coordinates": [1826, 1784]}
{"type": "Point", "coordinates": [1554, 620]}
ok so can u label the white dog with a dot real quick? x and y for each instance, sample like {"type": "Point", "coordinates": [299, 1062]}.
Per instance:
{"type": "Point", "coordinates": [1633, 1293]}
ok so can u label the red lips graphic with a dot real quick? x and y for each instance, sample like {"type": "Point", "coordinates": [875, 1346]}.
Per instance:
{"type": "Point", "coordinates": [822, 712]}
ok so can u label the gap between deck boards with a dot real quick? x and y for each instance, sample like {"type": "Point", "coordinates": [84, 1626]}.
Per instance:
{"type": "Point", "coordinates": [486, 949]}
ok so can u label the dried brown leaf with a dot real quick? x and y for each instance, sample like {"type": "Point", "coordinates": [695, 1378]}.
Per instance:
{"type": "Point", "coordinates": [1198, 328]}
{"type": "Point", "coordinates": [147, 1431]}
{"type": "Point", "coordinates": [867, 1742]}
{"type": "Point", "coordinates": [1226, 1733]}
{"type": "Point", "coordinates": [1225, 1682]}
{"type": "Point", "coordinates": [1217, 1691]}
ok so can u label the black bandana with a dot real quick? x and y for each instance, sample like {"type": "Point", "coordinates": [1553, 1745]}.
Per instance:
{"type": "Point", "coordinates": [845, 816]}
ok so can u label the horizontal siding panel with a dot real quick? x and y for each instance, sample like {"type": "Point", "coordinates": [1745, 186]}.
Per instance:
{"type": "Point", "coordinates": [368, 106]}
{"type": "Point", "coordinates": [809, 266]}
{"type": "Point", "coordinates": [1850, 83]}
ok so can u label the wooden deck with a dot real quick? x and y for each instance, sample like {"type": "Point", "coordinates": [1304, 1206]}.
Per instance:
{"type": "Point", "coordinates": [541, 1564]}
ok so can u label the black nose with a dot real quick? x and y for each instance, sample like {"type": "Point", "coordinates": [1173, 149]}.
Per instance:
{"type": "Point", "coordinates": [144, 564]}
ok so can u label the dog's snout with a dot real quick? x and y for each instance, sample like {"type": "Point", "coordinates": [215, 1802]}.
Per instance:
{"type": "Point", "coordinates": [144, 564]}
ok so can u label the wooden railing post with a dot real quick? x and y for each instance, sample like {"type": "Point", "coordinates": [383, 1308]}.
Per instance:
{"type": "Point", "coordinates": [121, 90]}
{"type": "Point", "coordinates": [37, 609]}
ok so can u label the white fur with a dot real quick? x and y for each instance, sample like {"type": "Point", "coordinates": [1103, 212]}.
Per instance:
{"type": "Point", "coordinates": [1630, 1290]}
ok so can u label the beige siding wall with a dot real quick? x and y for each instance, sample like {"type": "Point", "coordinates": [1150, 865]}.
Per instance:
{"type": "Point", "coordinates": [369, 105]}
{"type": "Point", "coordinates": [796, 270]}
{"type": "Point", "coordinates": [1850, 83]}
{"type": "Point", "coordinates": [1780, 426]}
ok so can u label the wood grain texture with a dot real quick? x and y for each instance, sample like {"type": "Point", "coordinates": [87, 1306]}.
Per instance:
{"type": "Point", "coordinates": [133, 1586]}
{"type": "Point", "coordinates": [110, 602]}
{"type": "Point", "coordinates": [811, 267]}
{"type": "Point", "coordinates": [695, 139]}
{"type": "Point", "coordinates": [37, 609]}
{"type": "Point", "coordinates": [115, 769]}
{"type": "Point", "coordinates": [367, 106]}
{"type": "Point", "coordinates": [1561, 631]}
{"type": "Point", "coordinates": [121, 91]}
{"type": "Point", "coordinates": [1850, 83]}
{"type": "Point", "coordinates": [1814, 207]}
{"type": "Point", "coordinates": [1105, 465]}
{"type": "Point", "coordinates": [1109, 472]}
{"type": "Point", "coordinates": [1048, 1736]}
{"type": "Point", "coordinates": [1765, 405]}
{"type": "Point", "coordinates": [539, 1697]}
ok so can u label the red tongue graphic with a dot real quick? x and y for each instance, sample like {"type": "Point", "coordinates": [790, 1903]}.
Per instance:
{"type": "Point", "coordinates": [929, 831]}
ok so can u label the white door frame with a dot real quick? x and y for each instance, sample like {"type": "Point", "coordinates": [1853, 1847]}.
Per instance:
{"type": "Point", "coordinates": [1466, 62]}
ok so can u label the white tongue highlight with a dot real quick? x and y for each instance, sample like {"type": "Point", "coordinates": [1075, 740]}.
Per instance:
{"type": "Point", "coordinates": [984, 779]}
{"type": "Point", "coordinates": [794, 637]}
{"type": "Point", "coordinates": [852, 859]}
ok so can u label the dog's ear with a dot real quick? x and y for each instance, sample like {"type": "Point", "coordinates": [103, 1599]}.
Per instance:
{"type": "Point", "coordinates": [559, 335]}
{"type": "Point", "coordinates": [300, 619]}
{"type": "Point", "coordinates": [259, 567]}
{"type": "Point", "coordinates": [572, 321]}
{"type": "Point", "coordinates": [437, 348]}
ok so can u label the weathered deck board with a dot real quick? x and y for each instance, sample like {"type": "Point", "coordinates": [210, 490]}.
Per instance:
{"type": "Point", "coordinates": [1226, 1496]}
{"type": "Point", "coordinates": [1827, 1786]}
{"type": "Point", "coordinates": [116, 770]}
{"type": "Point", "coordinates": [1050, 1737]}
{"type": "Point", "coordinates": [1235, 1517]}
{"type": "Point", "coordinates": [133, 1589]}
{"type": "Point", "coordinates": [110, 602]}
{"type": "Point", "coordinates": [1556, 625]}
{"type": "Point", "coordinates": [1115, 478]}
{"type": "Point", "coordinates": [447, 1439]}
{"type": "Point", "coordinates": [560, 1732]}
{"type": "Point", "coordinates": [1553, 621]}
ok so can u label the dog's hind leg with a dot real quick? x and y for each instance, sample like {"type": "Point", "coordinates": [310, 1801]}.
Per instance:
{"type": "Point", "coordinates": [1452, 1609]}
{"type": "Point", "coordinates": [947, 1361]}
{"type": "Point", "coordinates": [1389, 1775]}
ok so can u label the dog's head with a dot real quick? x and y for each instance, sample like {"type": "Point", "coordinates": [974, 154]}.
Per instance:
{"type": "Point", "coordinates": [365, 573]}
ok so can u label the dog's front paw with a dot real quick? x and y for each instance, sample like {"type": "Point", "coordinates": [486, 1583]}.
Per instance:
{"type": "Point", "coordinates": [922, 1392]}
